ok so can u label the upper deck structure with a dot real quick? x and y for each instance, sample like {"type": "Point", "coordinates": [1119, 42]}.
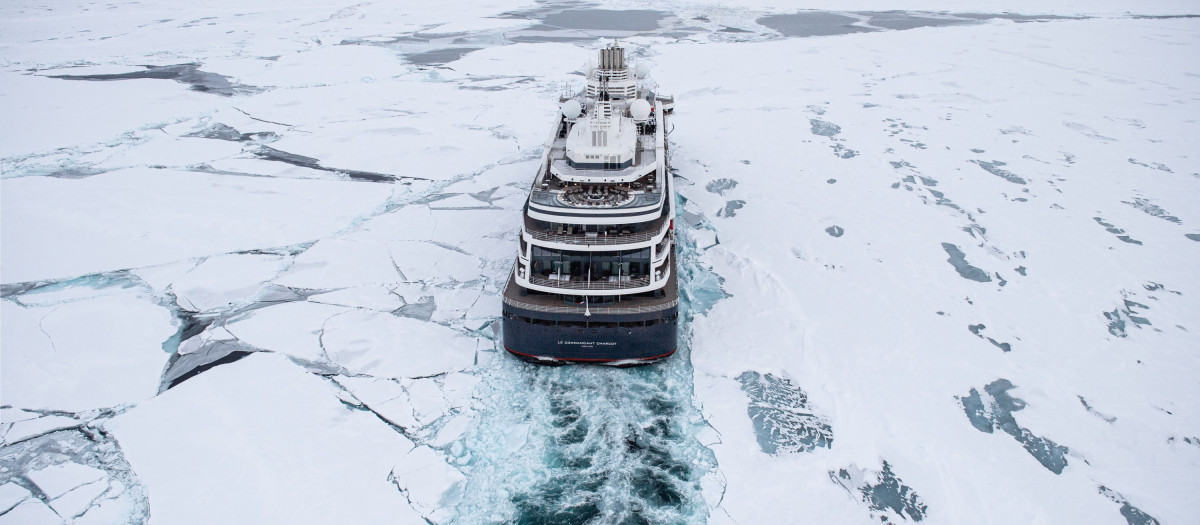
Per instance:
{"type": "Point", "coordinates": [597, 240]}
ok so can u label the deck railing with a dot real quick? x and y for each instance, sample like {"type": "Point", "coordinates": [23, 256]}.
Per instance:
{"type": "Point", "coordinates": [595, 240]}
{"type": "Point", "coordinates": [582, 283]}
{"type": "Point", "coordinates": [594, 309]}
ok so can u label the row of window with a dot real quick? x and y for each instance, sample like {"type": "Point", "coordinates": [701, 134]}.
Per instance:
{"type": "Point", "coordinates": [591, 324]}
{"type": "Point", "coordinates": [593, 265]}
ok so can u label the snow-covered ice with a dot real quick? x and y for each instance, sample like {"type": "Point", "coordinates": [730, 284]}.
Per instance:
{"type": "Point", "coordinates": [938, 260]}
{"type": "Point", "coordinates": [384, 345]}
{"type": "Point", "coordinates": [137, 217]}
{"type": "Point", "coordinates": [85, 354]}
{"type": "Point", "coordinates": [262, 440]}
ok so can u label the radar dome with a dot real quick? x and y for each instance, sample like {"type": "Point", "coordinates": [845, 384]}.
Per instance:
{"type": "Point", "coordinates": [639, 110]}
{"type": "Point", "coordinates": [571, 109]}
{"type": "Point", "coordinates": [643, 70]}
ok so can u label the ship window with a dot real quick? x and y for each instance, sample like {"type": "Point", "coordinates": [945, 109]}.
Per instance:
{"type": "Point", "coordinates": [605, 325]}
{"type": "Point", "coordinates": [543, 322]}
{"type": "Point", "coordinates": [651, 322]}
{"type": "Point", "coordinates": [602, 299]}
{"type": "Point", "coordinates": [594, 265]}
{"type": "Point", "coordinates": [523, 319]}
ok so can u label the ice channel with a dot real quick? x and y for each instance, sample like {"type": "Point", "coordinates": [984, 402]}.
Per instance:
{"type": "Point", "coordinates": [587, 444]}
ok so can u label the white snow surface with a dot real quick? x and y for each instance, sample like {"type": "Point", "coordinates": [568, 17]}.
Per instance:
{"type": "Point", "coordinates": [30, 512]}
{"type": "Point", "coordinates": [55, 228]}
{"type": "Point", "coordinates": [11, 494]}
{"type": "Point", "coordinates": [337, 187]}
{"type": "Point", "coordinates": [223, 280]}
{"type": "Point", "coordinates": [261, 440]}
{"type": "Point", "coordinates": [874, 324]}
{"type": "Point", "coordinates": [83, 355]}
{"type": "Point", "coordinates": [383, 345]}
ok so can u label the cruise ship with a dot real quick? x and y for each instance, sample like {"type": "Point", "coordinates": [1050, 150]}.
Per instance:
{"type": "Point", "coordinates": [594, 279]}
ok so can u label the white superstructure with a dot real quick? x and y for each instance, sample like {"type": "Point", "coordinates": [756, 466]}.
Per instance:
{"type": "Point", "coordinates": [598, 222]}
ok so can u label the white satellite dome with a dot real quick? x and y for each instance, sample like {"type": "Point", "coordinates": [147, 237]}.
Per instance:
{"type": "Point", "coordinates": [643, 69]}
{"type": "Point", "coordinates": [571, 109]}
{"type": "Point", "coordinates": [640, 110]}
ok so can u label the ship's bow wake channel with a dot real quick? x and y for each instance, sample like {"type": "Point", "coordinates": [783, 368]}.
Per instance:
{"type": "Point", "coordinates": [588, 445]}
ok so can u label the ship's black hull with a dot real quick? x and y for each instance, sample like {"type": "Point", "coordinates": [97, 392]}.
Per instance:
{"type": "Point", "coordinates": [623, 339]}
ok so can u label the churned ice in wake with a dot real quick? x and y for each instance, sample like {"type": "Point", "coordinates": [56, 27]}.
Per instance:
{"type": "Point", "coordinates": [585, 444]}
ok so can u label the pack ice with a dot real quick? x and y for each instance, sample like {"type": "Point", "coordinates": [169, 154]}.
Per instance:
{"type": "Point", "coordinates": [938, 265]}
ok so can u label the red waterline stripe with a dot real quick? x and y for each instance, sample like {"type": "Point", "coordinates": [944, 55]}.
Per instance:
{"type": "Point", "coordinates": [589, 359]}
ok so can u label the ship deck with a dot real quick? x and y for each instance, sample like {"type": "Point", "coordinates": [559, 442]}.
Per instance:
{"type": "Point", "coordinates": [626, 305]}
{"type": "Point", "coordinates": [608, 236]}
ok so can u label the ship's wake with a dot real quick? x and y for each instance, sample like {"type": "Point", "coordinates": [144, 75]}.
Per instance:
{"type": "Point", "coordinates": [590, 444]}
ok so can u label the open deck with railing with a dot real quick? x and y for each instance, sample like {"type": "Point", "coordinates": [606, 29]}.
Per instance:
{"type": "Point", "coordinates": [612, 236]}
{"type": "Point", "coordinates": [550, 303]}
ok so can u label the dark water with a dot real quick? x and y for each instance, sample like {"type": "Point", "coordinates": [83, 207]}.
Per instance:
{"type": "Point", "coordinates": [637, 20]}
{"type": "Point", "coordinates": [438, 57]}
{"type": "Point", "coordinates": [994, 167]}
{"type": "Point", "coordinates": [783, 421]}
{"type": "Point", "coordinates": [812, 23]}
{"type": "Point", "coordinates": [826, 23]}
{"type": "Point", "coordinates": [189, 74]}
{"type": "Point", "coordinates": [900, 20]}
{"type": "Point", "coordinates": [995, 410]}
{"type": "Point", "coordinates": [576, 24]}
{"type": "Point", "coordinates": [958, 259]}
{"type": "Point", "coordinates": [887, 497]}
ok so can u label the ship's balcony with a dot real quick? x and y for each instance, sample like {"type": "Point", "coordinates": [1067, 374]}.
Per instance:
{"type": "Point", "coordinates": [516, 295]}
{"type": "Point", "coordinates": [604, 236]}
{"type": "Point", "coordinates": [594, 278]}
{"type": "Point", "coordinates": [612, 282]}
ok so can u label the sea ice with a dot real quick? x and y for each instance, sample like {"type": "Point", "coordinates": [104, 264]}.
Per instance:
{"type": "Point", "coordinates": [30, 512]}
{"type": "Point", "coordinates": [25, 429]}
{"type": "Point", "coordinates": [383, 345]}
{"type": "Point", "coordinates": [83, 354]}
{"type": "Point", "coordinates": [378, 154]}
{"type": "Point", "coordinates": [295, 328]}
{"type": "Point", "coordinates": [142, 217]}
{"type": "Point", "coordinates": [296, 453]}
